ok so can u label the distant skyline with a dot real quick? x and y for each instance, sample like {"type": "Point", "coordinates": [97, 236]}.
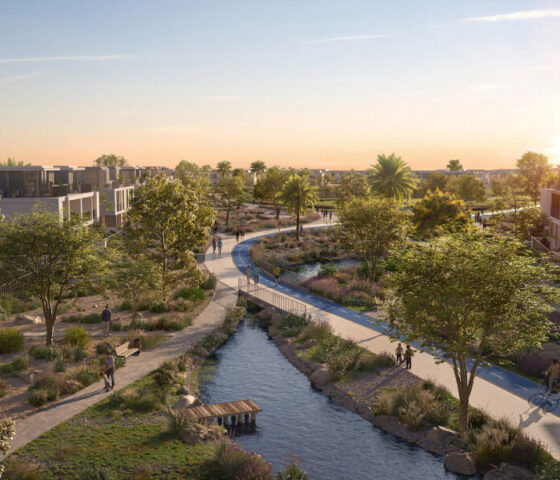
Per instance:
{"type": "Point", "coordinates": [303, 83]}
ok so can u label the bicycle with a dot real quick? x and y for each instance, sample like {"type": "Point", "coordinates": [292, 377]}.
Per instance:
{"type": "Point", "coordinates": [543, 400]}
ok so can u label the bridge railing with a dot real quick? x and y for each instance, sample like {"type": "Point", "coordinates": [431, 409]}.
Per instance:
{"type": "Point", "coordinates": [270, 297]}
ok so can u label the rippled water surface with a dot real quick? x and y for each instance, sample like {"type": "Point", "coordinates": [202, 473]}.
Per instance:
{"type": "Point", "coordinates": [332, 443]}
{"type": "Point", "coordinates": [309, 270]}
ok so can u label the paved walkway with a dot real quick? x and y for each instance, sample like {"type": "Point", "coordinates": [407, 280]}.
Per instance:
{"type": "Point", "coordinates": [495, 391]}
{"type": "Point", "coordinates": [136, 367]}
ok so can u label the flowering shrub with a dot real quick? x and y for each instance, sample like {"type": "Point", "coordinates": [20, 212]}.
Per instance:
{"type": "Point", "coordinates": [344, 287]}
{"type": "Point", "coordinates": [532, 363]}
{"type": "Point", "coordinates": [7, 432]}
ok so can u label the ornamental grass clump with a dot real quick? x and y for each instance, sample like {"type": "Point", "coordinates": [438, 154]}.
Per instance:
{"type": "Point", "coordinates": [231, 462]}
{"type": "Point", "coordinates": [318, 331]}
{"type": "Point", "coordinates": [76, 337]}
{"type": "Point", "coordinates": [11, 340]}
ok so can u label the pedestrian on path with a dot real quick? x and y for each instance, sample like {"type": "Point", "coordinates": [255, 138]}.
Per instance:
{"type": "Point", "coordinates": [279, 223]}
{"type": "Point", "coordinates": [408, 357]}
{"type": "Point", "coordinates": [237, 235]}
{"type": "Point", "coordinates": [398, 353]}
{"type": "Point", "coordinates": [330, 216]}
{"type": "Point", "coordinates": [242, 233]}
{"type": "Point", "coordinates": [552, 373]}
{"type": "Point", "coordinates": [256, 273]}
{"type": "Point", "coordinates": [106, 317]}
{"type": "Point", "coordinates": [109, 371]}
{"type": "Point", "coordinates": [248, 274]}
{"type": "Point", "coordinates": [276, 275]}
{"type": "Point", "coordinates": [219, 245]}
{"type": "Point", "coordinates": [214, 245]}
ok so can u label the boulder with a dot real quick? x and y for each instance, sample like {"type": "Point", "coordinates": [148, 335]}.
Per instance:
{"type": "Point", "coordinates": [183, 390]}
{"type": "Point", "coordinates": [382, 420]}
{"type": "Point", "coordinates": [187, 401]}
{"type": "Point", "coordinates": [28, 319]}
{"type": "Point", "coordinates": [508, 471]}
{"type": "Point", "coordinates": [276, 317]}
{"type": "Point", "coordinates": [273, 331]}
{"type": "Point", "coordinates": [29, 377]}
{"type": "Point", "coordinates": [460, 463]}
{"type": "Point", "coordinates": [200, 351]}
{"type": "Point", "coordinates": [265, 315]}
{"type": "Point", "coordinates": [440, 434]}
{"type": "Point", "coordinates": [320, 377]}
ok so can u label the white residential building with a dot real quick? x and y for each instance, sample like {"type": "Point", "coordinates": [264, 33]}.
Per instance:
{"type": "Point", "coordinates": [114, 203]}
{"type": "Point", "coordinates": [550, 205]}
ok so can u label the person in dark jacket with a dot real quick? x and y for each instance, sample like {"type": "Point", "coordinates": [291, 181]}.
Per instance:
{"type": "Point", "coordinates": [106, 317]}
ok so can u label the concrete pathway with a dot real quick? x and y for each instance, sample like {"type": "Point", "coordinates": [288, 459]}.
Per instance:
{"type": "Point", "coordinates": [496, 391]}
{"type": "Point", "coordinates": [136, 367]}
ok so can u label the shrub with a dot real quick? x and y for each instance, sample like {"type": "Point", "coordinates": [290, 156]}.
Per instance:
{"type": "Point", "coordinates": [148, 341]}
{"type": "Point", "coordinates": [384, 403]}
{"type": "Point", "coordinates": [372, 363]}
{"type": "Point", "coordinates": [87, 319]}
{"type": "Point", "coordinates": [411, 415]}
{"type": "Point", "coordinates": [144, 403]}
{"type": "Point", "coordinates": [233, 463]}
{"type": "Point", "coordinates": [530, 452]}
{"type": "Point", "coordinates": [76, 337]}
{"type": "Point", "coordinates": [232, 319]}
{"type": "Point", "coordinates": [16, 470]}
{"type": "Point", "coordinates": [59, 365]}
{"type": "Point", "coordinates": [292, 325]}
{"type": "Point", "coordinates": [3, 387]}
{"type": "Point", "coordinates": [11, 340]}
{"type": "Point", "coordinates": [74, 354]}
{"type": "Point", "coordinates": [15, 367]}
{"type": "Point", "coordinates": [42, 352]}
{"type": "Point", "coordinates": [193, 294]}
{"type": "Point", "coordinates": [476, 419]}
{"type": "Point", "coordinates": [493, 445]}
{"type": "Point", "coordinates": [209, 283]}
{"type": "Point", "coordinates": [318, 331]}
{"type": "Point", "coordinates": [3, 314]}
{"type": "Point", "coordinates": [292, 472]}
{"type": "Point", "coordinates": [549, 472]}
{"type": "Point", "coordinates": [38, 398]}
{"type": "Point", "coordinates": [86, 376]}
{"type": "Point", "coordinates": [125, 306]}
{"type": "Point", "coordinates": [97, 473]}
{"type": "Point", "coordinates": [180, 425]}
{"type": "Point", "coordinates": [116, 326]}
{"type": "Point", "coordinates": [327, 270]}
{"type": "Point", "coordinates": [159, 307]}
{"type": "Point", "coordinates": [104, 348]}
{"type": "Point", "coordinates": [173, 323]}
{"type": "Point", "coordinates": [532, 364]}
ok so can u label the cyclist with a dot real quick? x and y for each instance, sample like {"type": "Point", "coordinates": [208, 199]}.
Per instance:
{"type": "Point", "coordinates": [552, 373]}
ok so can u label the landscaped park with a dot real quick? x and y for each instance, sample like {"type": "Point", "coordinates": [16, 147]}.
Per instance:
{"type": "Point", "coordinates": [396, 260]}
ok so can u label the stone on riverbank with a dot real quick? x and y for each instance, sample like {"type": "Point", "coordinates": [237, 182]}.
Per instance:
{"type": "Point", "coordinates": [320, 377]}
{"type": "Point", "coordinates": [23, 319]}
{"type": "Point", "coordinates": [508, 471]}
{"type": "Point", "coordinates": [460, 463]}
{"type": "Point", "coordinates": [200, 351]}
{"type": "Point", "coordinates": [186, 401]}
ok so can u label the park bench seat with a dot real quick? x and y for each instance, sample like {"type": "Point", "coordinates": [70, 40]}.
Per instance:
{"type": "Point", "coordinates": [127, 349]}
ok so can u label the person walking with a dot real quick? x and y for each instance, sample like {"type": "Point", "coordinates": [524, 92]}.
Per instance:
{"type": "Point", "coordinates": [109, 372]}
{"type": "Point", "coordinates": [552, 374]}
{"type": "Point", "coordinates": [248, 274]}
{"type": "Point", "coordinates": [237, 235]}
{"type": "Point", "coordinates": [242, 233]}
{"type": "Point", "coordinates": [220, 245]}
{"type": "Point", "coordinates": [276, 275]}
{"type": "Point", "coordinates": [330, 216]}
{"type": "Point", "coordinates": [106, 317]}
{"type": "Point", "coordinates": [279, 223]}
{"type": "Point", "coordinates": [398, 353]}
{"type": "Point", "coordinates": [214, 245]}
{"type": "Point", "coordinates": [256, 273]}
{"type": "Point", "coordinates": [408, 357]}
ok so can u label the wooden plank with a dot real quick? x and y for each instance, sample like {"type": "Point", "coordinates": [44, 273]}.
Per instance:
{"type": "Point", "coordinates": [226, 409]}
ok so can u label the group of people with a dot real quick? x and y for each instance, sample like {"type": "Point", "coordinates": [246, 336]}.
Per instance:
{"type": "Point", "coordinates": [254, 272]}
{"type": "Point", "coordinates": [326, 214]}
{"type": "Point", "coordinates": [239, 233]}
{"type": "Point", "coordinates": [404, 355]}
{"type": "Point", "coordinates": [217, 243]}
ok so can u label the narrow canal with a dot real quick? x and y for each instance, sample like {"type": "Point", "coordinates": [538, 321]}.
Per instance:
{"type": "Point", "coordinates": [330, 442]}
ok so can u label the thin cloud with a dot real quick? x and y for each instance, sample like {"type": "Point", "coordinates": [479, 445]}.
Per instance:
{"type": "Point", "coordinates": [517, 16]}
{"type": "Point", "coordinates": [347, 38]}
{"type": "Point", "coordinates": [71, 58]}
{"type": "Point", "coordinates": [20, 77]}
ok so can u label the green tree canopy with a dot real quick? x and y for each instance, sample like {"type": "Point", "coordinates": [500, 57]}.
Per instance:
{"type": "Point", "coordinates": [223, 168]}
{"type": "Point", "coordinates": [258, 168]}
{"type": "Point", "coordinates": [371, 227]}
{"type": "Point", "coordinates": [111, 160]}
{"type": "Point", "coordinates": [269, 187]}
{"type": "Point", "coordinates": [351, 185]}
{"type": "Point", "coordinates": [167, 222]}
{"type": "Point", "coordinates": [470, 294]}
{"type": "Point", "coordinates": [231, 192]}
{"type": "Point", "coordinates": [468, 188]}
{"type": "Point", "coordinates": [390, 177]}
{"type": "Point", "coordinates": [535, 172]}
{"type": "Point", "coordinates": [12, 162]}
{"type": "Point", "coordinates": [297, 195]}
{"type": "Point", "coordinates": [53, 258]}
{"type": "Point", "coordinates": [434, 181]}
{"type": "Point", "coordinates": [438, 213]}
{"type": "Point", "coordinates": [454, 165]}
{"type": "Point", "coordinates": [193, 177]}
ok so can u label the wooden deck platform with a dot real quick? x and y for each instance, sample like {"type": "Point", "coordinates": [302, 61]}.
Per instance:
{"type": "Point", "coordinates": [236, 411]}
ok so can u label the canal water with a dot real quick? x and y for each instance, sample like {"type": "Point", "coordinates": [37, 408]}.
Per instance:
{"type": "Point", "coordinates": [330, 442]}
{"type": "Point", "coordinates": [308, 270]}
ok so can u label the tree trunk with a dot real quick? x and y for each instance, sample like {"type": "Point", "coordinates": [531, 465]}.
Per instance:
{"type": "Point", "coordinates": [462, 377]}
{"type": "Point", "coordinates": [463, 411]}
{"type": "Point", "coordinates": [297, 226]}
{"type": "Point", "coordinates": [227, 216]}
{"type": "Point", "coordinates": [49, 324]}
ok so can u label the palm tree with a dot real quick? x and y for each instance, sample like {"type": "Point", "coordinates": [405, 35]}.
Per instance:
{"type": "Point", "coordinates": [258, 168]}
{"type": "Point", "coordinates": [297, 195]}
{"type": "Point", "coordinates": [224, 168]}
{"type": "Point", "coordinates": [454, 165]}
{"type": "Point", "coordinates": [391, 178]}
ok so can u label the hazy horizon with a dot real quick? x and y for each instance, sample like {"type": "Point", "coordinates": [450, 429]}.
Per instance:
{"type": "Point", "coordinates": [303, 84]}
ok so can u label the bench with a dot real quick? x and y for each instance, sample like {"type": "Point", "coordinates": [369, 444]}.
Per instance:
{"type": "Point", "coordinates": [128, 348]}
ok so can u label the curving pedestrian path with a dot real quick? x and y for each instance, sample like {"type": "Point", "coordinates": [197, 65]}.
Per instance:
{"type": "Point", "coordinates": [497, 391]}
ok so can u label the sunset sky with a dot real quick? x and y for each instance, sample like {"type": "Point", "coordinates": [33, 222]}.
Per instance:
{"type": "Point", "coordinates": [304, 83]}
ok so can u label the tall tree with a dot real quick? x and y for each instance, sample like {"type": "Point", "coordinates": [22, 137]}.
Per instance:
{"type": "Point", "coordinates": [454, 165]}
{"type": "Point", "coordinates": [440, 213]}
{"type": "Point", "coordinates": [269, 187]}
{"type": "Point", "coordinates": [470, 294]}
{"type": "Point", "coordinates": [258, 168]}
{"type": "Point", "coordinates": [468, 188]}
{"type": "Point", "coordinates": [167, 221]}
{"type": "Point", "coordinates": [12, 162]}
{"type": "Point", "coordinates": [391, 178]}
{"type": "Point", "coordinates": [55, 258]}
{"type": "Point", "coordinates": [434, 181]}
{"type": "Point", "coordinates": [297, 195]}
{"type": "Point", "coordinates": [223, 168]}
{"type": "Point", "coordinates": [111, 160]}
{"type": "Point", "coordinates": [351, 185]}
{"type": "Point", "coordinates": [193, 177]}
{"type": "Point", "coordinates": [534, 171]}
{"type": "Point", "coordinates": [231, 192]}
{"type": "Point", "coordinates": [371, 227]}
